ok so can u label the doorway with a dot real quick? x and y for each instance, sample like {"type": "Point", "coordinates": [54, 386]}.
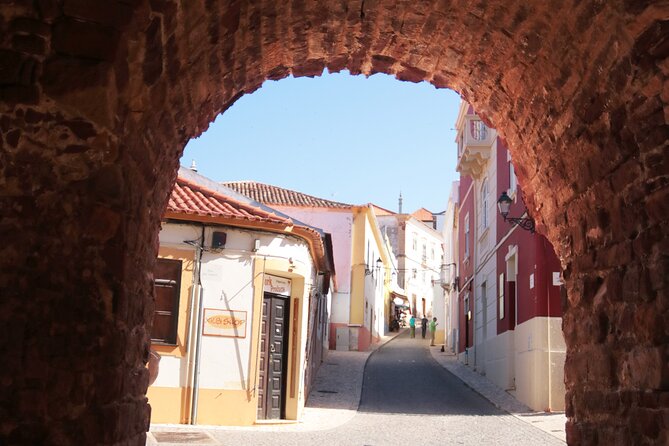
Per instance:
{"type": "Point", "coordinates": [273, 357]}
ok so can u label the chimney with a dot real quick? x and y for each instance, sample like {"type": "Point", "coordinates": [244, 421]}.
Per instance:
{"type": "Point", "coordinates": [400, 200]}
{"type": "Point", "coordinates": [193, 166]}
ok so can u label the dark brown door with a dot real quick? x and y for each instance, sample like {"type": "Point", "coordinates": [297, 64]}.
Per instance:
{"type": "Point", "coordinates": [167, 284]}
{"type": "Point", "coordinates": [273, 358]}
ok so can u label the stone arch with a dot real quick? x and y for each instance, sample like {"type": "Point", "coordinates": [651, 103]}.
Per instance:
{"type": "Point", "coordinates": [98, 100]}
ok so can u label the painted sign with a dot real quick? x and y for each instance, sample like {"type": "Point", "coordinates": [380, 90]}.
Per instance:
{"type": "Point", "coordinates": [277, 285]}
{"type": "Point", "coordinates": [225, 323]}
{"type": "Point", "coordinates": [557, 280]}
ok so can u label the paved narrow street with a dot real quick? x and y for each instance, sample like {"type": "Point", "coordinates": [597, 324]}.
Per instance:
{"type": "Point", "coordinates": [407, 398]}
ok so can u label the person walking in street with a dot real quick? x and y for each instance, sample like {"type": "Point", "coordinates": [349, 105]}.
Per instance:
{"type": "Point", "coordinates": [412, 326]}
{"type": "Point", "coordinates": [423, 325]}
{"type": "Point", "coordinates": [433, 330]}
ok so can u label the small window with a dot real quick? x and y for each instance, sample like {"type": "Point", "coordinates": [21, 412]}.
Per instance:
{"type": "Point", "coordinates": [513, 181]}
{"type": "Point", "coordinates": [484, 203]}
{"type": "Point", "coordinates": [166, 285]}
{"type": "Point", "coordinates": [501, 296]}
{"type": "Point", "coordinates": [465, 306]}
{"type": "Point", "coordinates": [467, 236]}
{"type": "Point", "coordinates": [414, 273]}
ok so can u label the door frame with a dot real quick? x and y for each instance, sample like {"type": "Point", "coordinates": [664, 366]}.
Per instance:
{"type": "Point", "coordinates": [286, 352]}
{"type": "Point", "coordinates": [297, 273]}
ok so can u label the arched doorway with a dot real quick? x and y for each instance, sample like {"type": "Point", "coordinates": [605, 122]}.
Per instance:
{"type": "Point", "coordinates": [98, 100]}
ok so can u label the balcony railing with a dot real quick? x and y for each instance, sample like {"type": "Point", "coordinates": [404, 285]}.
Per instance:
{"type": "Point", "coordinates": [474, 145]}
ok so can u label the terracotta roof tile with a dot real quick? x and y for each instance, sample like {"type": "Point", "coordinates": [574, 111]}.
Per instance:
{"type": "Point", "coordinates": [422, 214]}
{"type": "Point", "coordinates": [274, 195]}
{"type": "Point", "coordinates": [378, 210]}
{"type": "Point", "coordinates": [191, 198]}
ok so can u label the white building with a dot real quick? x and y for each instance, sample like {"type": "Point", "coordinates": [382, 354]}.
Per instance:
{"type": "Point", "coordinates": [241, 308]}
{"type": "Point", "coordinates": [419, 250]}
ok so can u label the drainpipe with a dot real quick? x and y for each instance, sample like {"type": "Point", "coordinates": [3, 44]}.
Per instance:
{"type": "Point", "coordinates": [548, 326]}
{"type": "Point", "coordinates": [259, 344]}
{"type": "Point", "coordinates": [198, 293]}
{"type": "Point", "coordinates": [475, 261]}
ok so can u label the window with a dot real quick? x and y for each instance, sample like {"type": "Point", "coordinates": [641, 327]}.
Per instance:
{"type": "Point", "coordinates": [424, 252]}
{"type": "Point", "coordinates": [432, 253]}
{"type": "Point", "coordinates": [513, 181]}
{"type": "Point", "coordinates": [467, 236]}
{"type": "Point", "coordinates": [484, 203]}
{"type": "Point", "coordinates": [414, 273]}
{"type": "Point", "coordinates": [478, 129]}
{"type": "Point", "coordinates": [166, 285]}
{"type": "Point", "coordinates": [501, 296]}
{"type": "Point", "coordinates": [466, 307]}
{"type": "Point", "coordinates": [415, 242]}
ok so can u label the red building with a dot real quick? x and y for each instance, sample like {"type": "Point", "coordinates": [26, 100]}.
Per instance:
{"type": "Point", "coordinates": [509, 283]}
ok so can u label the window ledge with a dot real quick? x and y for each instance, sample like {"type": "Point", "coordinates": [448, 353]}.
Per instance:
{"type": "Point", "coordinates": [163, 344]}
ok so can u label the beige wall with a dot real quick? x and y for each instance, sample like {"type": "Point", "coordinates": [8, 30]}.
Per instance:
{"type": "Point", "coordinates": [500, 360]}
{"type": "Point", "coordinates": [532, 363]}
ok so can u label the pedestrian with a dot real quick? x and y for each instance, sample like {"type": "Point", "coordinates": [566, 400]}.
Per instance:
{"type": "Point", "coordinates": [423, 325]}
{"type": "Point", "coordinates": [433, 330]}
{"type": "Point", "coordinates": [412, 326]}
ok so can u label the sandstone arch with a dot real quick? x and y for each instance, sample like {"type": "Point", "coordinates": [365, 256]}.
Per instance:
{"type": "Point", "coordinates": [99, 98]}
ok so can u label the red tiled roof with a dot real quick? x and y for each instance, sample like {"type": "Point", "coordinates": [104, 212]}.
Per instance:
{"type": "Point", "coordinates": [194, 199]}
{"type": "Point", "coordinates": [378, 210]}
{"type": "Point", "coordinates": [274, 195]}
{"type": "Point", "coordinates": [422, 214]}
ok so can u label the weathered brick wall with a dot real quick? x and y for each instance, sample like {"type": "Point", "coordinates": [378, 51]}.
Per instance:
{"type": "Point", "coordinates": [97, 100]}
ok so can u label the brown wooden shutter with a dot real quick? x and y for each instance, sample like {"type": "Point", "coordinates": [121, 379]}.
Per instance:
{"type": "Point", "coordinates": [167, 285]}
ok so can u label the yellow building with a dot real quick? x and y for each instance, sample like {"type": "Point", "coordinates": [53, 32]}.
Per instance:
{"type": "Point", "coordinates": [371, 276]}
{"type": "Point", "coordinates": [241, 309]}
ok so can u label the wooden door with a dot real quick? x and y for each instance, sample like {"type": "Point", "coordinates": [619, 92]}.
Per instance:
{"type": "Point", "coordinates": [273, 358]}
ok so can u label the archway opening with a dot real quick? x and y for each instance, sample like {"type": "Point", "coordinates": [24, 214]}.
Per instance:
{"type": "Point", "coordinates": [98, 104]}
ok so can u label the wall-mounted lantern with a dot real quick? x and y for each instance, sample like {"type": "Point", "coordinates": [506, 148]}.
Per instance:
{"type": "Point", "coordinates": [504, 204]}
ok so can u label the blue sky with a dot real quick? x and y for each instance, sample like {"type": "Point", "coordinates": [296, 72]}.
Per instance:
{"type": "Point", "coordinates": [340, 137]}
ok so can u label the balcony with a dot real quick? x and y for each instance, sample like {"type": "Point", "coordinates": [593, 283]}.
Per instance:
{"type": "Point", "coordinates": [474, 146]}
{"type": "Point", "coordinates": [448, 277]}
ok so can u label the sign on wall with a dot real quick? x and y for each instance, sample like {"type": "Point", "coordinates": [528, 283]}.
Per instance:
{"type": "Point", "coordinates": [277, 285]}
{"type": "Point", "coordinates": [225, 323]}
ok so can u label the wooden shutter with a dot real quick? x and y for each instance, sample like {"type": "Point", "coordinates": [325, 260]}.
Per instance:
{"type": "Point", "coordinates": [167, 285]}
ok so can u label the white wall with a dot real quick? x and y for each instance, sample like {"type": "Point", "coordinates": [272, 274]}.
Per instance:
{"type": "Point", "coordinates": [227, 283]}
{"type": "Point", "coordinates": [422, 286]}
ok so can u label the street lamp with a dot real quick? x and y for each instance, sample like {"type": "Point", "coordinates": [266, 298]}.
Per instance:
{"type": "Point", "coordinates": [504, 204]}
{"type": "Point", "coordinates": [379, 264]}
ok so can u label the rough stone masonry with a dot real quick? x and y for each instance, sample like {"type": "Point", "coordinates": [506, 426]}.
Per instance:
{"type": "Point", "coordinates": [98, 98]}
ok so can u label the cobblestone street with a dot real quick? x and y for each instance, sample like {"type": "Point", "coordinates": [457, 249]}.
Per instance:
{"type": "Point", "coordinates": [407, 398]}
